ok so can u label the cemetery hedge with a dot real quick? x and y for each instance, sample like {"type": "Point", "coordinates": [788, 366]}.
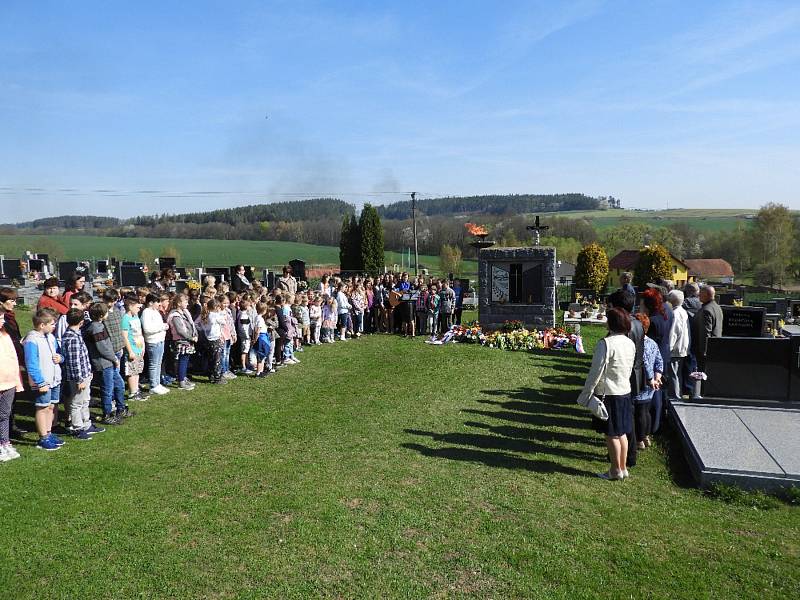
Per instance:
{"type": "Point", "coordinates": [386, 467]}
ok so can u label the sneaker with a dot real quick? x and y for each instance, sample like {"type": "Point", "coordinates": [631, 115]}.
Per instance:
{"type": "Point", "coordinates": [11, 451]}
{"type": "Point", "coordinates": [125, 413]}
{"type": "Point", "coordinates": [229, 375]}
{"type": "Point", "coordinates": [48, 444]}
{"type": "Point", "coordinates": [56, 439]}
{"type": "Point", "coordinates": [270, 370]}
{"type": "Point", "coordinates": [82, 435]}
{"type": "Point", "coordinates": [160, 390]}
{"type": "Point", "coordinates": [167, 380]}
{"type": "Point", "coordinates": [111, 419]}
{"type": "Point", "coordinates": [220, 382]}
{"type": "Point", "coordinates": [139, 396]}
{"type": "Point", "coordinates": [186, 385]}
{"type": "Point", "coordinates": [4, 455]}
{"type": "Point", "coordinates": [293, 361]}
{"type": "Point", "coordinates": [247, 372]}
{"type": "Point", "coordinates": [92, 429]}
{"type": "Point", "coordinates": [262, 374]}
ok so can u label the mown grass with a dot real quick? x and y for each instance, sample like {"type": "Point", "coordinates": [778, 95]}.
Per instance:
{"type": "Point", "coordinates": [196, 252]}
{"type": "Point", "coordinates": [706, 220]}
{"type": "Point", "coordinates": [382, 467]}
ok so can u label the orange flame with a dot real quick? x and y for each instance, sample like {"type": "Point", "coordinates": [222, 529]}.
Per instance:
{"type": "Point", "coordinates": [476, 229]}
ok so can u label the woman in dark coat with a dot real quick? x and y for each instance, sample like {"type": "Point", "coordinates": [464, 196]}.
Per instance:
{"type": "Point", "coordinates": [661, 319]}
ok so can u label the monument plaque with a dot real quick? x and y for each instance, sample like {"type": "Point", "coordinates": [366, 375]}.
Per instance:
{"type": "Point", "coordinates": [499, 284]}
{"type": "Point", "coordinates": [743, 321]}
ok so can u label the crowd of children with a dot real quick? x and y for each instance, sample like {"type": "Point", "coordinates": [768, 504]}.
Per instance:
{"type": "Point", "coordinates": [160, 337]}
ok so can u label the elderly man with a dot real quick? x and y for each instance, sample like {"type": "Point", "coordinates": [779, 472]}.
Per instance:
{"type": "Point", "coordinates": [679, 344]}
{"type": "Point", "coordinates": [707, 323]}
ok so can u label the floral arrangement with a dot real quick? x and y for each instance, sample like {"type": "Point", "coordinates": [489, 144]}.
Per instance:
{"type": "Point", "coordinates": [193, 284]}
{"type": "Point", "coordinates": [515, 337]}
{"type": "Point", "coordinates": [509, 326]}
{"type": "Point", "coordinates": [470, 333]}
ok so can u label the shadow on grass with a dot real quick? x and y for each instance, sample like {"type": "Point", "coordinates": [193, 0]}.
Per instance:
{"type": "Point", "coordinates": [483, 441]}
{"type": "Point", "coordinates": [534, 414]}
{"type": "Point", "coordinates": [497, 459]}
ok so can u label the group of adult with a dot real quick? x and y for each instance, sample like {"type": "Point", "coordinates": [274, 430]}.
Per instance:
{"type": "Point", "coordinates": [655, 353]}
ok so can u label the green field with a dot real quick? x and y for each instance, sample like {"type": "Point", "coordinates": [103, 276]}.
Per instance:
{"type": "Point", "coordinates": [707, 220]}
{"type": "Point", "coordinates": [197, 252]}
{"type": "Point", "coordinates": [386, 468]}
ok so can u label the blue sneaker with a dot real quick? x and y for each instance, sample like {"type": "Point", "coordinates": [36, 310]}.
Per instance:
{"type": "Point", "coordinates": [92, 429]}
{"type": "Point", "coordinates": [167, 380]}
{"type": "Point", "coordinates": [82, 435]}
{"type": "Point", "coordinates": [48, 444]}
{"type": "Point", "coordinates": [56, 440]}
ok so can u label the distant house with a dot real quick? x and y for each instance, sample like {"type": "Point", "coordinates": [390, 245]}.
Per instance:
{"type": "Point", "coordinates": [711, 270]}
{"type": "Point", "coordinates": [626, 261]}
{"type": "Point", "coordinates": [565, 272]}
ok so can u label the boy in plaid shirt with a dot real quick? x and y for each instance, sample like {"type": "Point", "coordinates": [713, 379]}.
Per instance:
{"type": "Point", "coordinates": [78, 376]}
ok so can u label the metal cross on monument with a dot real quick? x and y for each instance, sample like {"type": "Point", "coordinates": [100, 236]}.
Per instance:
{"type": "Point", "coordinates": [537, 229]}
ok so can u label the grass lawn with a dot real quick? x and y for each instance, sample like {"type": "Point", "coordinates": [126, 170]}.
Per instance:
{"type": "Point", "coordinates": [382, 467]}
{"type": "Point", "coordinates": [215, 253]}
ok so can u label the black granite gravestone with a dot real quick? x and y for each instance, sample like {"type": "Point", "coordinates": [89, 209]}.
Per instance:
{"type": "Point", "coordinates": [748, 368]}
{"type": "Point", "coordinates": [167, 262]}
{"type": "Point", "coordinates": [298, 269]}
{"type": "Point", "coordinates": [726, 298]}
{"type": "Point", "coordinates": [768, 305]}
{"type": "Point", "coordinates": [11, 268]}
{"type": "Point", "coordinates": [132, 276]}
{"type": "Point", "coordinates": [67, 268]}
{"type": "Point", "coordinates": [36, 264]}
{"type": "Point", "coordinates": [743, 321]}
{"type": "Point", "coordinates": [102, 267]}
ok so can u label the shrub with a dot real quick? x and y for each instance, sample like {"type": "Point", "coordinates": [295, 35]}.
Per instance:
{"type": "Point", "coordinates": [591, 270]}
{"type": "Point", "coordinates": [654, 263]}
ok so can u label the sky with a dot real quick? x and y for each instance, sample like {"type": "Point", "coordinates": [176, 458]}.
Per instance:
{"type": "Point", "coordinates": [125, 108]}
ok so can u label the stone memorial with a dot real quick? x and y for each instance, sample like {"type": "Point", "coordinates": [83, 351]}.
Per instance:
{"type": "Point", "coordinates": [743, 321]}
{"type": "Point", "coordinates": [517, 284]}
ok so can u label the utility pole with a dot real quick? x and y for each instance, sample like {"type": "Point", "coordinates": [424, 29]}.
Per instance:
{"type": "Point", "coordinates": [414, 225]}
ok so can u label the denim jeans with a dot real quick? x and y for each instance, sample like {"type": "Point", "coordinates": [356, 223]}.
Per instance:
{"type": "Point", "coordinates": [112, 391]}
{"type": "Point", "coordinates": [155, 353]}
{"type": "Point", "coordinates": [226, 355]}
{"type": "Point", "coordinates": [182, 366]}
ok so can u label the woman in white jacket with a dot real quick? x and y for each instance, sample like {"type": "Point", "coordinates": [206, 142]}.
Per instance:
{"type": "Point", "coordinates": [678, 343]}
{"type": "Point", "coordinates": [154, 330]}
{"type": "Point", "coordinates": [610, 378]}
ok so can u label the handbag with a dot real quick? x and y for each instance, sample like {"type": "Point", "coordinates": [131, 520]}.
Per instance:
{"type": "Point", "coordinates": [597, 405]}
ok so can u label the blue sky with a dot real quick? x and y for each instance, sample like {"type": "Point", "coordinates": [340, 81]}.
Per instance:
{"type": "Point", "coordinates": [694, 104]}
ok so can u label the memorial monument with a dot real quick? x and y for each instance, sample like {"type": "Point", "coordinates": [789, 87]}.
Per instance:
{"type": "Point", "coordinates": [517, 284]}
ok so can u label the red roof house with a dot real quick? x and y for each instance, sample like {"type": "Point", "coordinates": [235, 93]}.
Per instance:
{"type": "Point", "coordinates": [710, 269]}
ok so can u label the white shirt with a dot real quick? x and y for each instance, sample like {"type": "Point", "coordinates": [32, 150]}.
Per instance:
{"type": "Point", "coordinates": [679, 334]}
{"type": "Point", "coordinates": [153, 326]}
{"type": "Point", "coordinates": [613, 356]}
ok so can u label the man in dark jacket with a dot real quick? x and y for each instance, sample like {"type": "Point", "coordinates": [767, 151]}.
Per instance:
{"type": "Point", "coordinates": [625, 300]}
{"type": "Point", "coordinates": [707, 323]}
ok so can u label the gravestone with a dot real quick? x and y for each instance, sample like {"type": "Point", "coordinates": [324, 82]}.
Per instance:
{"type": "Point", "coordinates": [743, 321]}
{"type": "Point", "coordinates": [726, 298]}
{"type": "Point", "coordinates": [298, 269]}
{"type": "Point", "coordinates": [769, 305]}
{"type": "Point", "coordinates": [132, 276]}
{"type": "Point", "coordinates": [36, 264]}
{"type": "Point", "coordinates": [102, 267]}
{"type": "Point", "coordinates": [167, 262]}
{"type": "Point", "coordinates": [794, 309]}
{"type": "Point", "coordinates": [11, 268]}
{"type": "Point", "coordinates": [221, 273]}
{"type": "Point", "coordinates": [517, 284]}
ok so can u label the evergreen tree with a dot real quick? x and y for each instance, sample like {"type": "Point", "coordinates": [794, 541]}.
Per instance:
{"type": "Point", "coordinates": [345, 259]}
{"type": "Point", "coordinates": [354, 251]}
{"type": "Point", "coordinates": [654, 263]}
{"type": "Point", "coordinates": [371, 242]}
{"type": "Point", "coordinates": [591, 269]}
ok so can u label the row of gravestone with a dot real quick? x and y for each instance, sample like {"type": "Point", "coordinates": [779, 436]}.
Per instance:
{"type": "Point", "coordinates": [128, 273]}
